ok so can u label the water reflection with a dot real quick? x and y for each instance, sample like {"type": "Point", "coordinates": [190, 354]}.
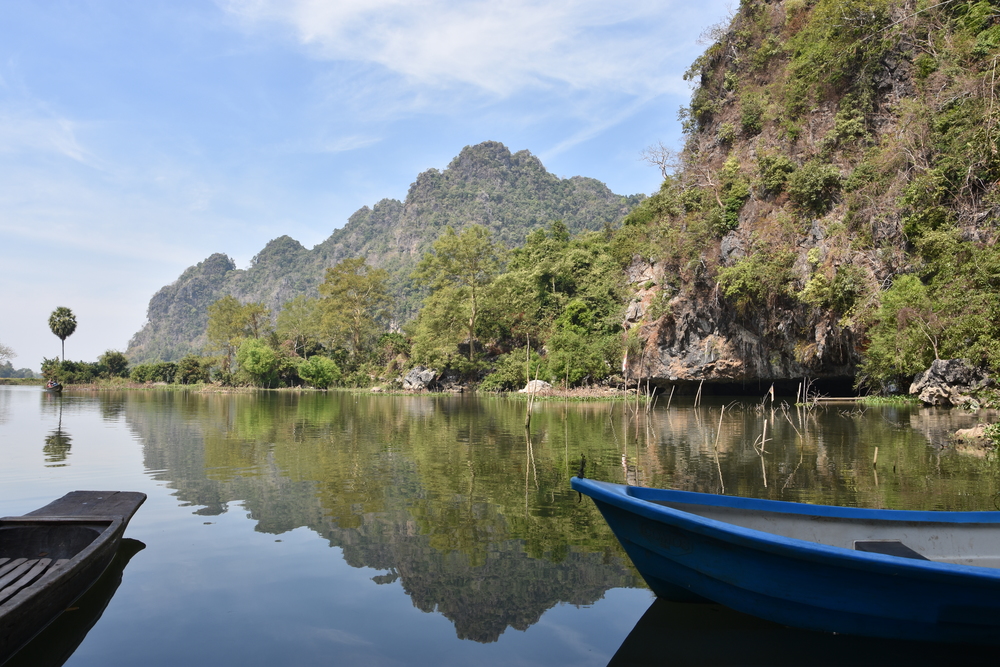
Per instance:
{"type": "Point", "coordinates": [57, 442]}
{"type": "Point", "coordinates": [474, 517]}
{"type": "Point", "coordinates": [707, 634]}
{"type": "Point", "coordinates": [56, 448]}
{"type": "Point", "coordinates": [444, 495]}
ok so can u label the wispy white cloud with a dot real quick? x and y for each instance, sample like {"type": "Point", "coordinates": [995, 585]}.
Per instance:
{"type": "Point", "coordinates": [499, 48]}
{"type": "Point", "coordinates": [594, 128]}
{"type": "Point", "coordinates": [330, 145]}
{"type": "Point", "coordinates": [24, 132]}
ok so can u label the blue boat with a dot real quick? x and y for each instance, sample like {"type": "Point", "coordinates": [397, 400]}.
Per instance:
{"type": "Point", "coordinates": [898, 574]}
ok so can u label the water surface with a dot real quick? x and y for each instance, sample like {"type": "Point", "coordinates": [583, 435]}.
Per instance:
{"type": "Point", "coordinates": [348, 528]}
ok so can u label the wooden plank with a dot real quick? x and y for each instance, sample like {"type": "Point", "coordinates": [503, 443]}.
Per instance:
{"type": "Point", "coordinates": [16, 572]}
{"type": "Point", "coordinates": [93, 503]}
{"type": "Point", "coordinates": [25, 579]}
{"type": "Point", "coordinates": [10, 566]}
{"type": "Point", "coordinates": [887, 548]}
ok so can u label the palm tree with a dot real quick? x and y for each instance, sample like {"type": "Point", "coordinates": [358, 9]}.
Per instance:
{"type": "Point", "coordinates": [62, 321]}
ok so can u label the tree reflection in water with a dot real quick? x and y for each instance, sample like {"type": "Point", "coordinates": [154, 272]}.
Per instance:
{"type": "Point", "coordinates": [57, 442]}
{"type": "Point", "coordinates": [475, 519]}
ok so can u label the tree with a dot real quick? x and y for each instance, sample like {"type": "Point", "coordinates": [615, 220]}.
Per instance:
{"type": "Point", "coordinates": [230, 323]}
{"type": "Point", "coordinates": [319, 372]}
{"type": "Point", "coordinates": [467, 262]}
{"type": "Point", "coordinates": [355, 302]}
{"type": "Point", "coordinates": [258, 362]}
{"type": "Point", "coordinates": [663, 158]}
{"type": "Point", "coordinates": [192, 370]}
{"type": "Point", "coordinates": [299, 323]}
{"type": "Point", "coordinates": [115, 363]}
{"type": "Point", "coordinates": [6, 353]}
{"type": "Point", "coordinates": [62, 322]}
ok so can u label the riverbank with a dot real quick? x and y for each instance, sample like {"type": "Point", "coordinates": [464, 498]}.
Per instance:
{"type": "Point", "coordinates": [22, 381]}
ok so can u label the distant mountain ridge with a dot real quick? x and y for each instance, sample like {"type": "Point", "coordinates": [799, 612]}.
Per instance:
{"type": "Point", "coordinates": [509, 193]}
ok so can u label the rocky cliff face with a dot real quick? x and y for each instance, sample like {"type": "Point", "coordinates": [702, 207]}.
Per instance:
{"type": "Point", "coordinates": [830, 144]}
{"type": "Point", "coordinates": [509, 193]}
{"type": "Point", "coordinates": [700, 339]}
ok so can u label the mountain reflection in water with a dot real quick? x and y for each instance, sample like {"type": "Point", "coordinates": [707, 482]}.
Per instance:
{"type": "Point", "coordinates": [476, 521]}
{"type": "Point", "coordinates": [441, 493]}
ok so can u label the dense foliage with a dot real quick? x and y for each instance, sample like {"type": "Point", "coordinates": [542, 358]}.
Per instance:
{"type": "Point", "coordinates": [509, 194]}
{"type": "Point", "coordinates": [553, 313]}
{"type": "Point", "coordinates": [833, 211]}
{"type": "Point", "coordinates": [841, 174]}
{"type": "Point", "coordinates": [111, 364]}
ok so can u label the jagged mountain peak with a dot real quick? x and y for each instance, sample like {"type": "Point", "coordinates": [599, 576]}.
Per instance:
{"type": "Point", "coordinates": [510, 193]}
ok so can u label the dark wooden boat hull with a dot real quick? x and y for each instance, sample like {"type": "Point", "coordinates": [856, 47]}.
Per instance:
{"type": "Point", "coordinates": [78, 535]}
{"type": "Point", "coordinates": [54, 645]}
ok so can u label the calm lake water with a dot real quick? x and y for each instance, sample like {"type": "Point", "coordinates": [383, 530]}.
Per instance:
{"type": "Point", "coordinates": [356, 529]}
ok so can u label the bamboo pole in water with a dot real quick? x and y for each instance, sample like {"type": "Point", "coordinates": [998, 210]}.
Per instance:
{"type": "Point", "coordinates": [718, 466]}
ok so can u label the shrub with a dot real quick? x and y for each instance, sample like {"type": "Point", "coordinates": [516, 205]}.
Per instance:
{"type": "Point", "coordinates": [115, 364]}
{"type": "Point", "coordinates": [193, 369]}
{"type": "Point", "coordinates": [751, 115]}
{"type": "Point", "coordinates": [813, 187]}
{"type": "Point", "coordinates": [160, 371]}
{"type": "Point", "coordinates": [320, 372]}
{"type": "Point", "coordinates": [735, 192]}
{"type": "Point", "coordinates": [727, 133]}
{"type": "Point", "coordinates": [511, 370]}
{"type": "Point", "coordinates": [757, 280]}
{"type": "Point", "coordinates": [774, 172]}
{"type": "Point", "coordinates": [71, 372]}
{"type": "Point", "coordinates": [258, 363]}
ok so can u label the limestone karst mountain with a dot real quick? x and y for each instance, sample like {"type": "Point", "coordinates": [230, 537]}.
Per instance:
{"type": "Point", "coordinates": [509, 193]}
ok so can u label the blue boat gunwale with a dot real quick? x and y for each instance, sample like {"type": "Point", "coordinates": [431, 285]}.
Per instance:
{"type": "Point", "coordinates": [630, 498]}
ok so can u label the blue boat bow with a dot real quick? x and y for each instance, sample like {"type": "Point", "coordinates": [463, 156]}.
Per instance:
{"type": "Point", "coordinates": [932, 576]}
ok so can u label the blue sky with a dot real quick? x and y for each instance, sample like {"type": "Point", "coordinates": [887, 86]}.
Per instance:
{"type": "Point", "coordinates": [137, 138]}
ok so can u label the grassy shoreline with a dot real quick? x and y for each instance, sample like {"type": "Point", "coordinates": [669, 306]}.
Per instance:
{"type": "Point", "coordinates": [577, 394]}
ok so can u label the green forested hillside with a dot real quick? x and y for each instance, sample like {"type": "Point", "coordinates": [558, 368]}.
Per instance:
{"type": "Point", "coordinates": [510, 194]}
{"type": "Point", "coordinates": [834, 209]}
{"type": "Point", "coordinates": [833, 214]}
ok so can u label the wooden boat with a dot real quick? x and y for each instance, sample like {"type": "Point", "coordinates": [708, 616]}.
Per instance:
{"type": "Point", "coordinates": [926, 576]}
{"type": "Point", "coordinates": [50, 557]}
{"type": "Point", "coordinates": [53, 387]}
{"type": "Point", "coordinates": [59, 640]}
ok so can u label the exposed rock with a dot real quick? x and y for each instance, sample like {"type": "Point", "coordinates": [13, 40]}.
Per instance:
{"type": "Point", "coordinates": [949, 382]}
{"type": "Point", "coordinates": [642, 271]}
{"type": "Point", "coordinates": [972, 441]}
{"type": "Point", "coordinates": [536, 387]}
{"type": "Point", "coordinates": [699, 338]}
{"type": "Point", "coordinates": [974, 433]}
{"type": "Point", "coordinates": [419, 378]}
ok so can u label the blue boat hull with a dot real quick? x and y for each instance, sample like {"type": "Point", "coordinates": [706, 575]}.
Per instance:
{"type": "Point", "coordinates": [687, 557]}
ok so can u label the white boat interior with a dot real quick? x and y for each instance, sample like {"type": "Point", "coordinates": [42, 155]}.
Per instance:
{"type": "Point", "coordinates": [976, 544]}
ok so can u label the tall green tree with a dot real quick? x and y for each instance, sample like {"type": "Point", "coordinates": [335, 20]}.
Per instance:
{"type": "Point", "coordinates": [355, 302]}
{"type": "Point", "coordinates": [231, 322]}
{"type": "Point", "coordinates": [299, 323]}
{"type": "Point", "coordinates": [62, 322]}
{"type": "Point", "coordinates": [467, 263]}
